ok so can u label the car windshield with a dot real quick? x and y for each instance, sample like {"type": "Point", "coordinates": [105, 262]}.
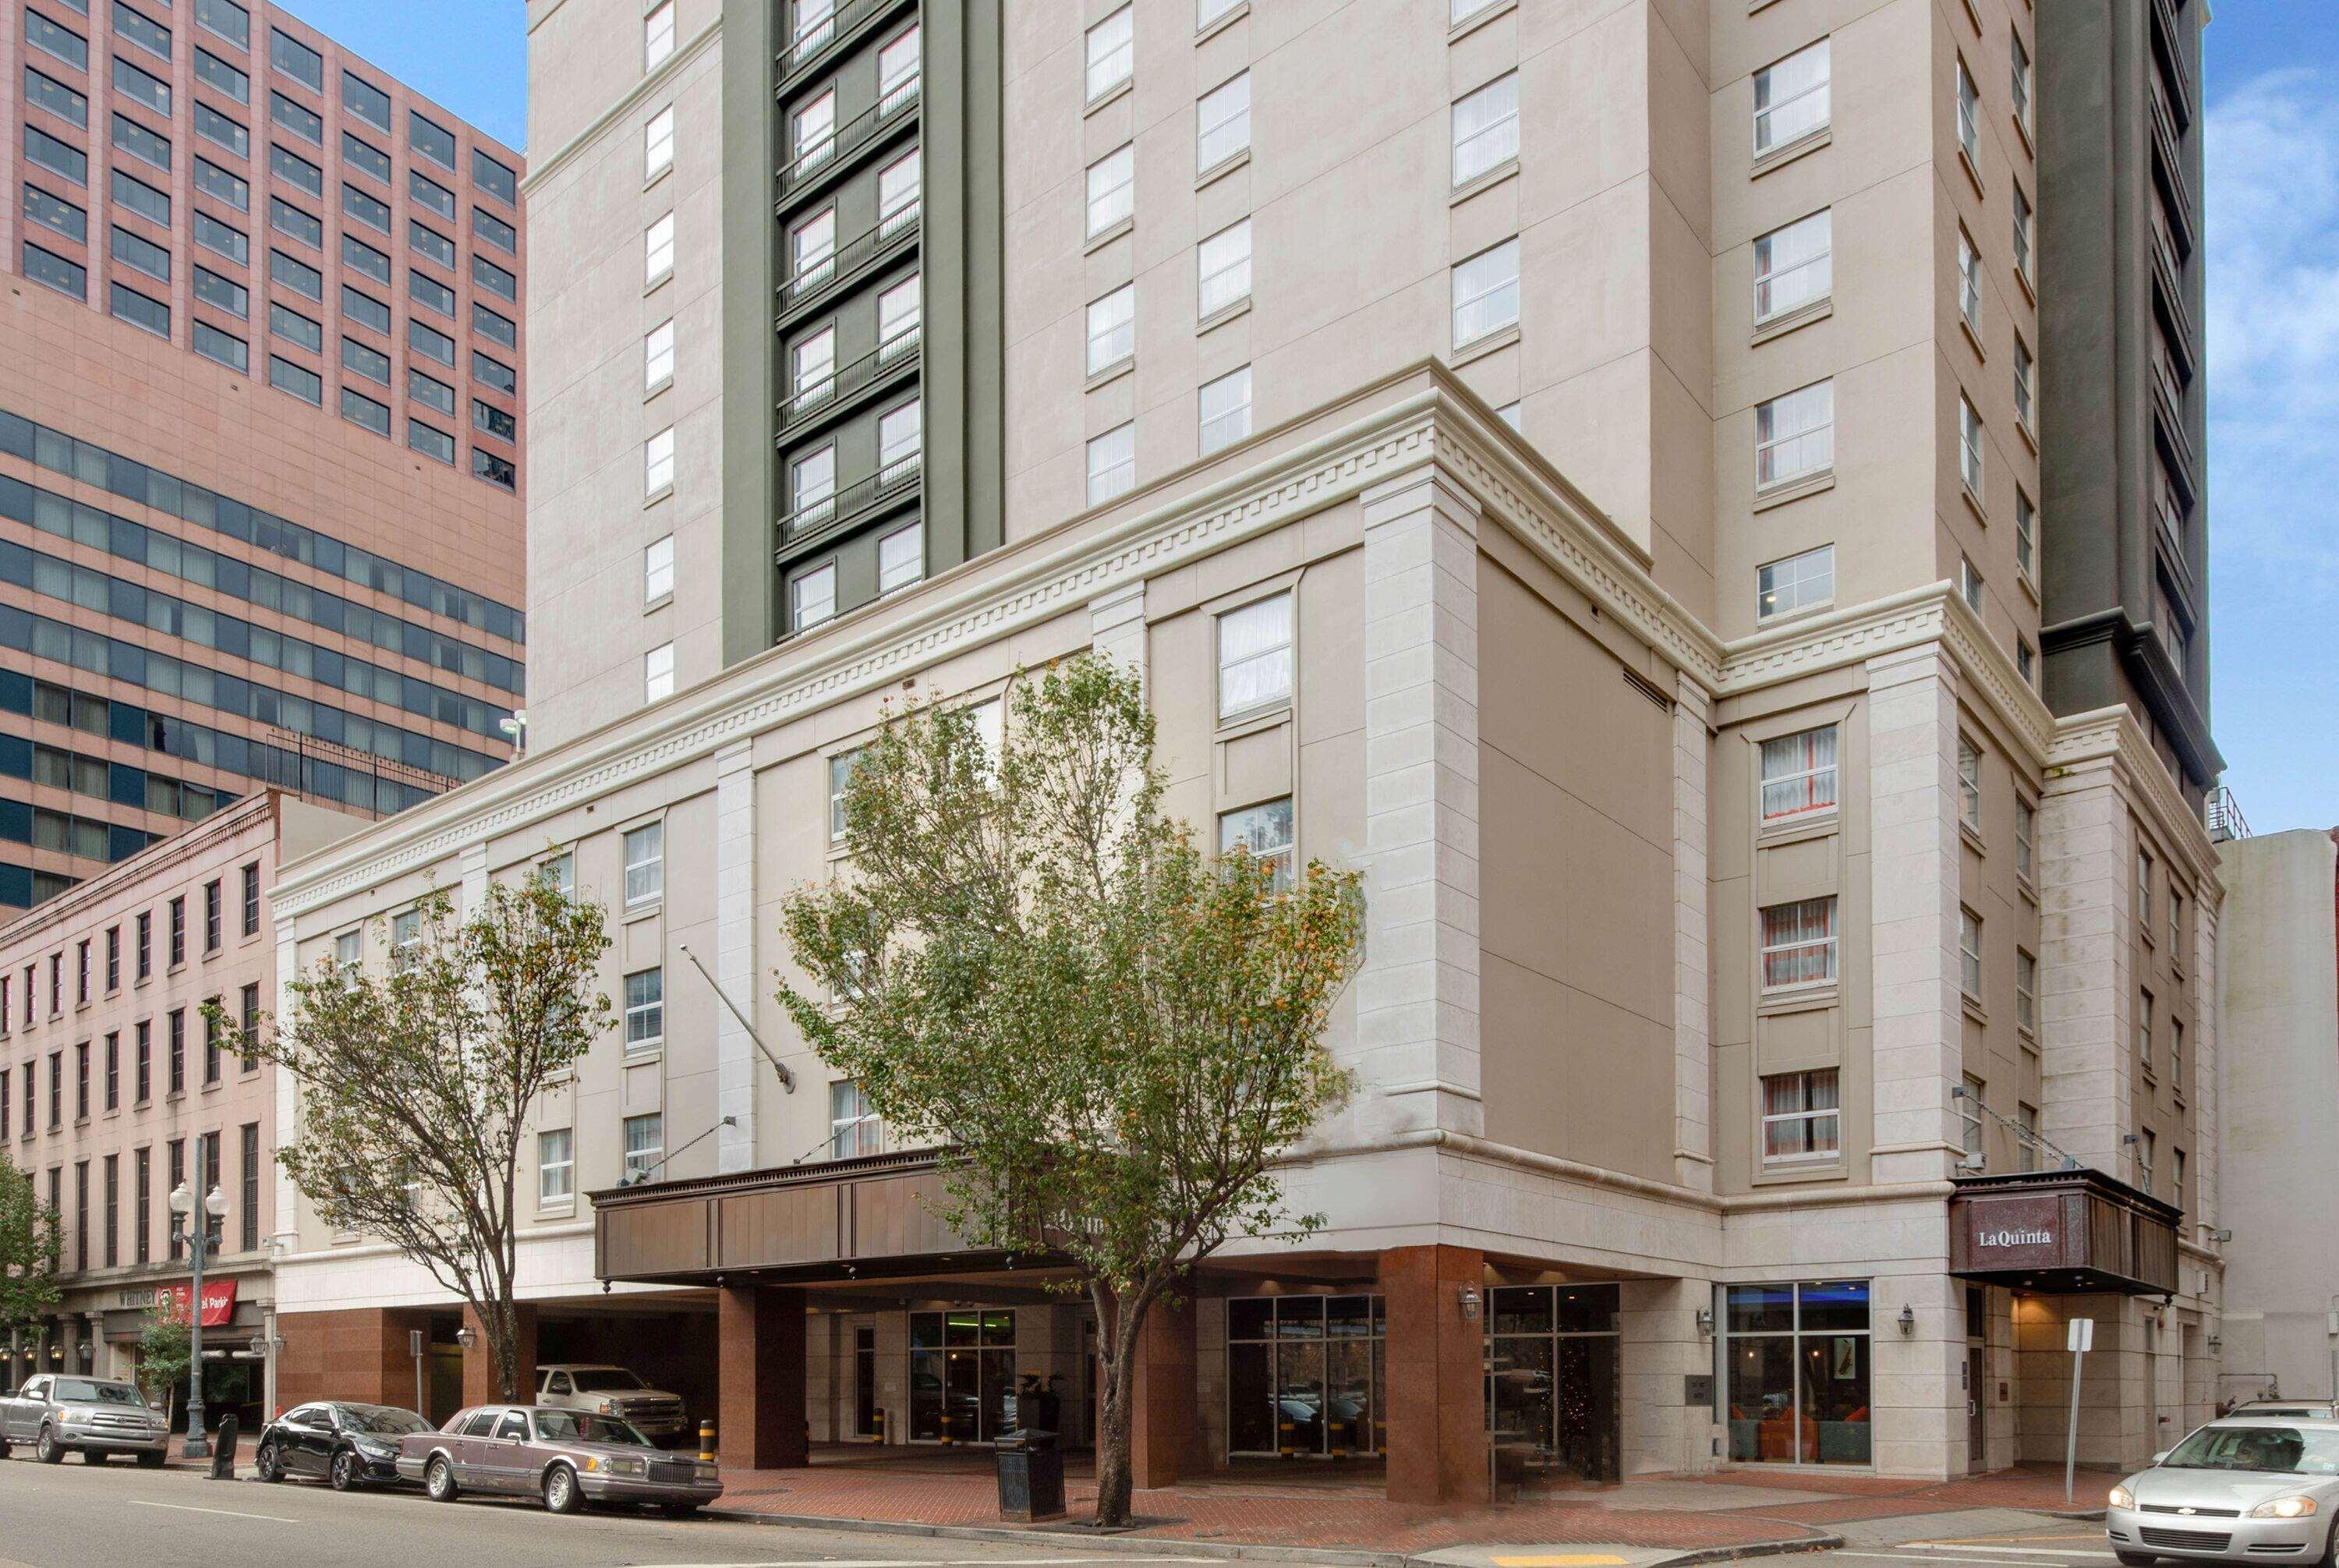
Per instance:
{"type": "Point", "coordinates": [603, 1379]}
{"type": "Point", "coordinates": [2268, 1450]}
{"type": "Point", "coordinates": [382, 1418]}
{"type": "Point", "coordinates": [579, 1426]}
{"type": "Point", "coordinates": [81, 1391]}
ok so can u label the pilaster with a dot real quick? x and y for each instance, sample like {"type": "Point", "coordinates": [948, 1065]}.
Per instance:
{"type": "Point", "coordinates": [1693, 973]}
{"type": "Point", "coordinates": [288, 1103]}
{"type": "Point", "coordinates": [475, 880]}
{"type": "Point", "coordinates": [1117, 627]}
{"type": "Point", "coordinates": [2086, 893]}
{"type": "Point", "coordinates": [735, 953]}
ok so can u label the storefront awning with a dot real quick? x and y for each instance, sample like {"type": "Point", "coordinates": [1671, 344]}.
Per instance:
{"type": "Point", "coordinates": [2063, 1231]}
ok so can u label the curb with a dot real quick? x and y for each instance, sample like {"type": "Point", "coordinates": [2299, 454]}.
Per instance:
{"type": "Point", "coordinates": [2093, 1514]}
{"type": "Point", "coordinates": [1170, 1547]}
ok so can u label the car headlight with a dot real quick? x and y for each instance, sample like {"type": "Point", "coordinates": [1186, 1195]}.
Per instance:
{"type": "Point", "coordinates": [2122, 1497]}
{"type": "Point", "coordinates": [2284, 1508]}
{"type": "Point", "coordinates": [627, 1467]}
{"type": "Point", "coordinates": [710, 1472]}
{"type": "Point", "coordinates": [375, 1448]}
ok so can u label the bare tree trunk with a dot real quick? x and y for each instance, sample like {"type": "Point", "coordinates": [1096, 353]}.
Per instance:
{"type": "Point", "coordinates": [1114, 1470]}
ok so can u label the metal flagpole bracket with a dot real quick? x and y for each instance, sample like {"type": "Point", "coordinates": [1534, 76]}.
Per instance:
{"type": "Point", "coordinates": [788, 1079]}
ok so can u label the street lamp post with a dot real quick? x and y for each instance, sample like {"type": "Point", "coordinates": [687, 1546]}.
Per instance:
{"type": "Point", "coordinates": [198, 1240]}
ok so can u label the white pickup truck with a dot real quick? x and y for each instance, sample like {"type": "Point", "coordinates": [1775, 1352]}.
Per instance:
{"type": "Point", "coordinates": [54, 1413]}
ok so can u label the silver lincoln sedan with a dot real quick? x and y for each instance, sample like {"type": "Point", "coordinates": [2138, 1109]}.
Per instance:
{"type": "Point", "coordinates": [2246, 1488]}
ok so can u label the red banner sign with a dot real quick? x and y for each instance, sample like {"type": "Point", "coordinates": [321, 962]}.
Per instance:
{"type": "Point", "coordinates": [219, 1300]}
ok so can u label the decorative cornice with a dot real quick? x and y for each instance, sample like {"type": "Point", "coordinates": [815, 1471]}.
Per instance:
{"type": "Point", "coordinates": [2112, 734]}
{"type": "Point", "coordinates": [176, 849]}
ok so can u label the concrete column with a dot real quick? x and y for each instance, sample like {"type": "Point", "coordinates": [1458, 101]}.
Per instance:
{"type": "Point", "coordinates": [1117, 627]}
{"type": "Point", "coordinates": [1692, 981]}
{"type": "Point", "coordinates": [1436, 1374]}
{"type": "Point", "coordinates": [2086, 1002]}
{"type": "Point", "coordinates": [736, 1060]}
{"type": "Point", "coordinates": [288, 1104]}
{"type": "Point", "coordinates": [1659, 1432]}
{"type": "Point", "coordinates": [479, 1385]}
{"type": "Point", "coordinates": [1417, 999]}
{"type": "Point", "coordinates": [761, 1358]}
{"type": "Point", "coordinates": [1165, 1427]}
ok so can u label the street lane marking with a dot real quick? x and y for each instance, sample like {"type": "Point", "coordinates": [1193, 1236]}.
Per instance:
{"type": "Point", "coordinates": [229, 1512]}
{"type": "Point", "coordinates": [1567, 1560]}
{"type": "Point", "coordinates": [2007, 1546]}
{"type": "Point", "coordinates": [1943, 1557]}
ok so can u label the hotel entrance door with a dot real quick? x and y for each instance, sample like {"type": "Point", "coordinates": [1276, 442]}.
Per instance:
{"type": "Point", "coordinates": [1552, 1367]}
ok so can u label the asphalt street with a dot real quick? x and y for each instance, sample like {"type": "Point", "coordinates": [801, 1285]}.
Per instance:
{"type": "Point", "coordinates": [1991, 1538]}
{"type": "Point", "coordinates": [72, 1515]}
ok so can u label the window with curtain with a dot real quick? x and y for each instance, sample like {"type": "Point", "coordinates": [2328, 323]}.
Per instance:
{"type": "Point", "coordinates": [1799, 944]}
{"type": "Point", "coordinates": [1791, 98]}
{"type": "Point", "coordinates": [1793, 267]}
{"type": "Point", "coordinates": [1801, 1116]}
{"type": "Point", "coordinates": [1799, 774]}
{"type": "Point", "coordinates": [1255, 656]}
{"type": "Point", "coordinates": [1486, 129]}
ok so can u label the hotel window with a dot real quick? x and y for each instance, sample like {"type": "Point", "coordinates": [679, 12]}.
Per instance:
{"type": "Point", "coordinates": [247, 1018]}
{"type": "Point", "coordinates": [644, 1135]}
{"type": "Point", "coordinates": [1798, 944]}
{"type": "Point", "coordinates": [812, 489]}
{"type": "Point", "coordinates": [1255, 657]}
{"type": "Point", "coordinates": [1790, 99]}
{"type": "Point", "coordinates": [1208, 11]}
{"type": "Point", "coordinates": [1968, 283]}
{"type": "Point", "coordinates": [2144, 1029]}
{"type": "Point", "coordinates": [1970, 1112]}
{"type": "Point", "coordinates": [556, 1166]}
{"type": "Point", "coordinates": [644, 864]}
{"type": "Point", "coordinates": [2177, 1053]}
{"type": "Point", "coordinates": [1799, 774]}
{"type": "Point", "coordinates": [296, 60]}
{"type": "Point", "coordinates": [1802, 1116]}
{"type": "Point", "coordinates": [405, 939]}
{"type": "Point", "coordinates": [1112, 189]}
{"type": "Point", "coordinates": [816, 24]}
{"type": "Point", "coordinates": [1225, 411]}
{"type": "Point", "coordinates": [2026, 1139]}
{"type": "Point", "coordinates": [2026, 375]}
{"type": "Point", "coordinates": [65, 44]}
{"type": "Point", "coordinates": [2023, 224]}
{"type": "Point", "coordinates": [1969, 784]}
{"type": "Point", "coordinates": [657, 570]}
{"type": "Point", "coordinates": [811, 598]}
{"type": "Point", "coordinates": [812, 370]}
{"type": "Point", "coordinates": [560, 871]}
{"type": "Point", "coordinates": [349, 952]}
{"type": "Point", "coordinates": [1968, 116]}
{"type": "Point", "coordinates": [898, 310]}
{"type": "Point", "coordinates": [840, 775]}
{"type": "Point", "coordinates": [657, 249]}
{"type": "Point", "coordinates": [1112, 328]}
{"type": "Point", "coordinates": [658, 143]}
{"type": "Point", "coordinates": [657, 37]}
{"type": "Point", "coordinates": [178, 938]}
{"type": "Point", "coordinates": [1465, 9]}
{"type": "Point", "coordinates": [1263, 832]}
{"type": "Point", "coordinates": [812, 132]}
{"type": "Point", "coordinates": [2144, 890]}
{"type": "Point", "coordinates": [1222, 262]}
{"type": "Point", "coordinates": [854, 1127]}
{"type": "Point", "coordinates": [657, 357]}
{"type": "Point", "coordinates": [1111, 51]}
{"type": "Point", "coordinates": [1970, 953]}
{"type": "Point", "coordinates": [901, 557]}
{"type": "Point", "coordinates": [1798, 583]}
{"type": "Point", "coordinates": [2026, 992]}
{"type": "Point", "coordinates": [658, 462]}
{"type": "Point", "coordinates": [2020, 83]}
{"type": "Point", "coordinates": [150, 35]}
{"type": "Point", "coordinates": [1794, 436]}
{"type": "Point", "coordinates": [644, 1011]}
{"type": "Point", "coordinates": [897, 72]}
{"type": "Point", "coordinates": [1969, 583]}
{"type": "Point", "coordinates": [213, 916]}
{"type": "Point", "coordinates": [1486, 129]}
{"type": "Point", "coordinates": [2176, 1176]}
{"type": "Point", "coordinates": [901, 443]}
{"type": "Point", "coordinates": [897, 194]}
{"type": "Point", "coordinates": [1970, 448]}
{"type": "Point", "coordinates": [1222, 124]}
{"type": "Point", "coordinates": [1113, 464]}
{"type": "Point", "coordinates": [1799, 1373]}
{"type": "Point", "coordinates": [1487, 293]}
{"type": "Point", "coordinates": [1793, 267]}
{"type": "Point", "coordinates": [657, 673]}
{"type": "Point", "coordinates": [2025, 536]}
{"type": "Point", "coordinates": [2175, 925]}
{"type": "Point", "coordinates": [2146, 1147]}
{"type": "Point", "coordinates": [2026, 824]}
{"type": "Point", "coordinates": [56, 213]}
{"type": "Point", "coordinates": [2025, 661]}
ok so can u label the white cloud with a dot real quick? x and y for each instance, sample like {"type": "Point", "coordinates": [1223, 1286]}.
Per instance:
{"type": "Point", "coordinates": [2272, 151]}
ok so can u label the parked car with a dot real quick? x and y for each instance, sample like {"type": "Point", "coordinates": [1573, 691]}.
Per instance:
{"type": "Point", "coordinates": [612, 1391]}
{"type": "Point", "coordinates": [350, 1445]}
{"type": "Point", "coordinates": [566, 1457]}
{"type": "Point", "coordinates": [2245, 1488]}
{"type": "Point", "coordinates": [55, 1414]}
{"type": "Point", "coordinates": [2310, 1409]}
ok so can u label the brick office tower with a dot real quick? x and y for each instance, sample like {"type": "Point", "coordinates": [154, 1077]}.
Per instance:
{"type": "Point", "coordinates": [260, 439]}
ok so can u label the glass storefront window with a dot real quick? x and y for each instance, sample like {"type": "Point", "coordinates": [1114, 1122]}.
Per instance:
{"type": "Point", "coordinates": [1551, 1395]}
{"type": "Point", "coordinates": [1305, 1374]}
{"type": "Point", "coordinates": [1799, 1373]}
{"type": "Point", "coordinates": [961, 1372]}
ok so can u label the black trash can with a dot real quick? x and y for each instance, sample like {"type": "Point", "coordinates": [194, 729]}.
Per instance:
{"type": "Point", "coordinates": [1030, 1476]}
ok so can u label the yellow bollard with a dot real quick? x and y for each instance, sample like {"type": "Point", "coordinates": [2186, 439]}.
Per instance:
{"type": "Point", "coordinates": [706, 1441]}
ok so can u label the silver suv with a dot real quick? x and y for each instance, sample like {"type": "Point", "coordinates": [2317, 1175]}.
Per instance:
{"type": "Point", "coordinates": [55, 1414]}
{"type": "Point", "coordinates": [611, 1391]}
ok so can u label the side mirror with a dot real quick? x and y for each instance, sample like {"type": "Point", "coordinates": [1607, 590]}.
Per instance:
{"type": "Point", "coordinates": [2161, 1457]}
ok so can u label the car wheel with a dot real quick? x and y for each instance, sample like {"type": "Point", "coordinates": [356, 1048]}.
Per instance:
{"type": "Point", "coordinates": [2331, 1547]}
{"type": "Point", "coordinates": [2136, 1559]}
{"type": "Point", "coordinates": [561, 1493]}
{"type": "Point", "coordinates": [265, 1464]}
{"type": "Point", "coordinates": [48, 1450]}
{"type": "Point", "coordinates": [439, 1480]}
{"type": "Point", "coordinates": [152, 1459]}
{"type": "Point", "coordinates": [4, 1448]}
{"type": "Point", "coordinates": [344, 1472]}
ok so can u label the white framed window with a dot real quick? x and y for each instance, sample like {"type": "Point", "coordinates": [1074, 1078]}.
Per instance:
{"type": "Point", "coordinates": [1969, 583]}
{"type": "Point", "coordinates": [348, 958]}
{"type": "Point", "coordinates": [1969, 114]}
{"type": "Point", "coordinates": [840, 775]}
{"type": "Point", "coordinates": [658, 462]}
{"type": "Point", "coordinates": [2025, 661]}
{"type": "Point", "coordinates": [1486, 129]}
{"type": "Point", "coordinates": [1111, 51]}
{"type": "Point", "coordinates": [2024, 222]}
{"type": "Point", "coordinates": [1798, 944]}
{"type": "Point", "coordinates": [1969, 784]}
{"type": "Point", "coordinates": [657, 37]}
{"type": "Point", "coordinates": [2026, 379]}
{"type": "Point", "coordinates": [812, 132]}
{"type": "Point", "coordinates": [1791, 98]}
{"type": "Point", "coordinates": [2026, 838]}
{"type": "Point", "coordinates": [901, 557]}
{"type": "Point", "coordinates": [1222, 263]}
{"type": "Point", "coordinates": [901, 443]}
{"type": "Point", "coordinates": [1222, 123]}
{"type": "Point", "coordinates": [405, 938]}
{"type": "Point", "coordinates": [815, 24]}
{"type": "Point", "coordinates": [812, 368]}
{"type": "Point", "coordinates": [1225, 411]}
{"type": "Point", "coordinates": [1970, 953]}
{"type": "Point", "coordinates": [657, 249]}
{"type": "Point", "coordinates": [556, 1166]}
{"type": "Point", "coordinates": [657, 356]}
{"type": "Point", "coordinates": [644, 864]}
{"type": "Point", "coordinates": [644, 1009]}
{"type": "Point", "coordinates": [2027, 1139]}
{"type": "Point", "coordinates": [658, 570]}
{"type": "Point", "coordinates": [1465, 9]}
{"type": "Point", "coordinates": [1969, 281]}
{"type": "Point", "coordinates": [2175, 925]}
{"type": "Point", "coordinates": [1970, 1112]}
{"type": "Point", "coordinates": [2146, 1148]}
{"type": "Point", "coordinates": [1112, 328]}
{"type": "Point", "coordinates": [811, 598]}
{"type": "Point", "coordinates": [1969, 446]}
{"type": "Point", "coordinates": [2177, 1067]}
{"type": "Point", "coordinates": [1112, 189]}
{"type": "Point", "coordinates": [1794, 436]}
{"type": "Point", "coordinates": [897, 194]}
{"type": "Point", "coordinates": [1803, 1117]}
{"type": "Point", "coordinates": [898, 72]}
{"type": "Point", "coordinates": [644, 1146]}
{"type": "Point", "coordinates": [898, 320]}
{"type": "Point", "coordinates": [560, 871]}
{"type": "Point", "coordinates": [658, 143]}
{"type": "Point", "coordinates": [2144, 1029]}
{"type": "Point", "coordinates": [853, 1127]}
{"type": "Point", "coordinates": [2144, 890]}
{"type": "Point", "coordinates": [1793, 267]}
{"type": "Point", "coordinates": [1799, 774]}
{"type": "Point", "coordinates": [2025, 536]}
{"type": "Point", "coordinates": [1208, 11]}
{"type": "Point", "coordinates": [812, 488]}
{"type": "Point", "coordinates": [657, 673]}
{"type": "Point", "coordinates": [2026, 991]}
{"type": "Point", "coordinates": [1799, 582]}
{"type": "Point", "coordinates": [2020, 82]}
{"type": "Point", "coordinates": [1265, 831]}
{"type": "Point", "coordinates": [812, 251]}
{"type": "Point", "coordinates": [1113, 464]}
{"type": "Point", "coordinates": [991, 729]}
{"type": "Point", "coordinates": [1255, 656]}
{"type": "Point", "coordinates": [1487, 293]}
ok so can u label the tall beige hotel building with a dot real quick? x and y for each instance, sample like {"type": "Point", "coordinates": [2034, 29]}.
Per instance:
{"type": "Point", "coordinates": [1698, 501]}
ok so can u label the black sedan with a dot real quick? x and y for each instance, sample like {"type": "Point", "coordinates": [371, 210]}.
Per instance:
{"type": "Point", "coordinates": [348, 1446]}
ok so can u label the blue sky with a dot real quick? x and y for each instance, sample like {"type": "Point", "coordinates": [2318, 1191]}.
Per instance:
{"type": "Point", "coordinates": [2273, 189]}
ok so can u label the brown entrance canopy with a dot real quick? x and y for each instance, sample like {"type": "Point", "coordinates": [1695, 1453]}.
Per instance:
{"type": "Point", "coordinates": [2063, 1230]}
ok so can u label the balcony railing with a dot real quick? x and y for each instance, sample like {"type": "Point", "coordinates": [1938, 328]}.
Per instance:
{"type": "Point", "coordinates": [835, 149]}
{"type": "Point", "coordinates": [894, 355]}
{"type": "Point", "coordinates": [853, 259]}
{"type": "Point", "coordinates": [895, 482]}
{"type": "Point", "coordinates": [2223, 815]}
{"type": "Point", "coordinates": [818, 36]}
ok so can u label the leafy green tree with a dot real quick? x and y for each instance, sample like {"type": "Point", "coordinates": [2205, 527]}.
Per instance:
{"type": "Point", "coordinates": [32, 1239]}
{"type": "Point", "coordinates": [416, 1083]}
{"type": "Point", "coordinates": [1112, 1038]}
{"type": "Point", "coordinates": [165, 1352]}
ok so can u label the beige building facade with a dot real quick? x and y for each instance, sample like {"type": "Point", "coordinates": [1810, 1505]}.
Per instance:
{"type": "Point", "coordinates": [1640, 491]}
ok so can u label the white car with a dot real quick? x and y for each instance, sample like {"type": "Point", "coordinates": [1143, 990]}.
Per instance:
{"type": "Point", "coordinates": [612, 1391]}
{"type": "Point", "coordinates": [54, 1415]}
{"type": "Point", "coordinates": [2243, 1489]}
